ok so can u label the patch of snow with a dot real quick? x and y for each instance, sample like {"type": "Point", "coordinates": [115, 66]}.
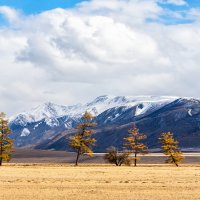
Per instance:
{"type": "Point", "coordinates": [140, 109]}
{"type": "Point", "coordinates": [68, 125]}
{"type": "Point", "coordinates": [52, 122]}
{"type": "Point", "coordinates": [36, 126]}
{"type": "Point", "coordinates": [190, 112]}
{"type": "Point", "coordinates": [25, 132]}
{"type": "Point", "coordinates": [117, 115]}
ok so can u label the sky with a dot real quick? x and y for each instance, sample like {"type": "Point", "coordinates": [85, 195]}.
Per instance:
{"type": "Point", "coordinates": [33, 7]}
{"type": "Point", "coordinates": [68, 52]}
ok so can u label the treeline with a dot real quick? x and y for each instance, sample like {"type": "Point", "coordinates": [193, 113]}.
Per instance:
{"type": "Point", "coordinates": [83, 141]}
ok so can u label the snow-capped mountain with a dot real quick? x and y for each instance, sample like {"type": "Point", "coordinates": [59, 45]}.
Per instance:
{"type": "Point", "coordinates": [50, 112]}
{"type": "Point", "coordinates": [45, 111]}
{"type": "Point", "coordinates": [44, 123]}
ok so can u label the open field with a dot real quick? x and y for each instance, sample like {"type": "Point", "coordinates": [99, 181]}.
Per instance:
{"type": "Point", "coordinates": [99, 182]}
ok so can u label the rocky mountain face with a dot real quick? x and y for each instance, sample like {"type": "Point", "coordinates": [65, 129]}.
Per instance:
{"type": "Point", "coordinates": [48, 126]}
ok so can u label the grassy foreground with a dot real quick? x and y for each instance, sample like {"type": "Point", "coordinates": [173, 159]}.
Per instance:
{"type": "Point", "coordinates": [100, 182]}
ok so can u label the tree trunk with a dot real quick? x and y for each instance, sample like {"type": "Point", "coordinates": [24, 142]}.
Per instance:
{"type": "Point", "coordinates": [135, 159]}
{"type": "Point", "coordinates": [116, 162]}
{"type": "Point", "coordinates": [77, 157]}
{"type": "Point", "coordinates": [174, 160]}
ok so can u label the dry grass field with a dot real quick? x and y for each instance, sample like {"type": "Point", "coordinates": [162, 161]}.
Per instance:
{"type": "Point", "coordinates": [99, 182]}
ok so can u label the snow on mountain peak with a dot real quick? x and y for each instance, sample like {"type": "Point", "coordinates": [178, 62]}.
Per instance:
{"type": "Point", "coordinates": [50, 112]}
{"type": "Point", "coordinates": [46, 111]}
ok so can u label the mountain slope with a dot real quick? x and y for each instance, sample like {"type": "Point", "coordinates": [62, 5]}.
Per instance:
{"type": "Point", "coordinates": [47, 126]}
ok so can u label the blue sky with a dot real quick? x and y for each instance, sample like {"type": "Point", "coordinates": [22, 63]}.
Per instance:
{"type": "Point", "coordinates": [33, 6]}
{"type": "Point", "coordinates": [190, 3]}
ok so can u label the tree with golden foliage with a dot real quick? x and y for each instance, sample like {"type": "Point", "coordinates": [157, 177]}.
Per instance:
{"type": "Point", "coordinates": [171, 149]}
{"type": "Point", "coordinates": [113, 156]}
{"type": "Point", "coordinates": [83, 141]}
{"type": "Point", "coordinates": [133, 144]}
{"type": "Point", "coordinates": [6, 144]}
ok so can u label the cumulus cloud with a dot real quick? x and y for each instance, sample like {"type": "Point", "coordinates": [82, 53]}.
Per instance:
{"type": "Point", "coordinates": [98, 47]}
{"type": "Point", "coordinates": [10, 14]}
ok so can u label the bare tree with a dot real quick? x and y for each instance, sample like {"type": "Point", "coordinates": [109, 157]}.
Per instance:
{"type": "Point", "coordinates": [113, 156]}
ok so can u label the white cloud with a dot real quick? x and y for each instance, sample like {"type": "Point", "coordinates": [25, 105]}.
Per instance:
{"type": "Point", "coordinates": [10, 14]}
{"type": "Point", "coordinates": [99, 47]}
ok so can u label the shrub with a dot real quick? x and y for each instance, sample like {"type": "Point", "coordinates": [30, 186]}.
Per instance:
{"type": "Point", "coordinates": [113, 156]}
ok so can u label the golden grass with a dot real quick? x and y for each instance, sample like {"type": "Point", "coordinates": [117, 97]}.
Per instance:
{"type": "Point", "coordinates": [99, 182]}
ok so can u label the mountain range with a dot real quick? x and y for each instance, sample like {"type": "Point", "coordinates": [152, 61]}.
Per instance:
{"type": "Point", "coordinates": [49, 126]}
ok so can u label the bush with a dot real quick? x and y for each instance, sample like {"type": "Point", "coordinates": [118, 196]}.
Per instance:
{"type": "Point", "coordinates": [113, 156]}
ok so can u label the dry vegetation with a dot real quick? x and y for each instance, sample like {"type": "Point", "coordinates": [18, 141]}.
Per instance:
{"type": "Point", "coordinates": [99, 182]}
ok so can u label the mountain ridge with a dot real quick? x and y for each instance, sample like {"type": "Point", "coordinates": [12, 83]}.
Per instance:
{"type": "Point", "coordinates": [152, 114]}
{"type": "Point", "coordinates": [38, 113]}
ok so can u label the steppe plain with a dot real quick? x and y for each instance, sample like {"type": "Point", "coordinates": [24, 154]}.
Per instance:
{"type": "Point", "coordinates": [93, 180]}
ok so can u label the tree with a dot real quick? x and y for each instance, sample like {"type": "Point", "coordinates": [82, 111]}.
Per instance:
{"type": "Point", "coordinates": [6, 144]}
{"type": "Point", "coordinates": [117, 158]}
{"type": "Point", "coordinates": [133, 144]}
{"type": "Point", "coordinates": [171, 149]}
{"type": "Point", "coordinates": [83, 141]}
